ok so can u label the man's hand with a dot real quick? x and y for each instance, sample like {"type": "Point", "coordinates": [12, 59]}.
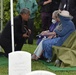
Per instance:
{"type": "Point", "coordinates": [49, 0]}
{"type": "Point", "coordinates": [29, 31]}
{"type": "Point", "coordinates": [25, 35]}
{"type": "Point", "coordinates": [44, 32]}
{"type": "Point", "coordinates": [46, 2]}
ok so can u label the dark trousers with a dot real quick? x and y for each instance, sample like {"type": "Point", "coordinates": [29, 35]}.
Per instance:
{"type": "Point", "coordinates": [30, 24]}
{"type": "Point", "coordinates": [46, 20]}
{"type": "Point", "coordinates": [7, 46]}
{"type": "Point", "coordinates": [19, 44]}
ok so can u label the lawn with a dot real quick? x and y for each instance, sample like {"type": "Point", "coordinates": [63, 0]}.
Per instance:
{"type": "Point", "coordinates": [36, 65]}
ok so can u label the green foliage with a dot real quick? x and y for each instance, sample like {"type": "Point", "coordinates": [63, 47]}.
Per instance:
{"type": "Point", "coordinates": [37, 21]}
{"type": "Point", "coordinates": [6, 7]}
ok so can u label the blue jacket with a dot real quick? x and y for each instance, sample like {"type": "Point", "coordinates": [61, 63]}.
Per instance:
{"type": "Point", "coordinates": [67, 28]}
{"type": "Point", "coordinates": [30, 4]}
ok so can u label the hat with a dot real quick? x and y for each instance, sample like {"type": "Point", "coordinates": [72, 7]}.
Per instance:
{"type": "Point", "coordinates": [65, 14]}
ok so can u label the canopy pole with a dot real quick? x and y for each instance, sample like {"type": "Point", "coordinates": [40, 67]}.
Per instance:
{"type": "Point", "coordinates": [12, 25]}
{"type": "Point", "coordinates": [1, 15]}
{"type": "Point", "coordinates": [1, 24]}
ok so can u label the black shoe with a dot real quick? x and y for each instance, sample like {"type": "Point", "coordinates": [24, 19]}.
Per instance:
{"type": "Point", "coordinates": [6, 55]}
{"type": "Point", "coordinates": [1, 54]}
{"type": "Point", "coordinates": [42, 58]}
{"type": "Point", "coordinates": [48, 60]}
{"type": "Point", "coordinates": [57, 63]}
{"type": "Point", "coordinates": [30, 42]}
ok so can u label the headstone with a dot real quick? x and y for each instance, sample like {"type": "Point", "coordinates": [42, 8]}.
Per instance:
{"type": "Point", "coordinates": [40, 72]}
{"type": "Point", "coordinates": [19, 63]}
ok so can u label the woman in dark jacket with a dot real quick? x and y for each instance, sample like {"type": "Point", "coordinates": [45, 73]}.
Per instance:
{"type": "Point", "coordinates": [46, 13]}
{"type": "Point", "coordinates": [47, 8]}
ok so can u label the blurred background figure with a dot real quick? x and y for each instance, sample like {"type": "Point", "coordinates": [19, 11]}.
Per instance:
{"type": "Point", "coordinates": [46, 13]}
{"type": "Point", "coordinates": [47, 8]}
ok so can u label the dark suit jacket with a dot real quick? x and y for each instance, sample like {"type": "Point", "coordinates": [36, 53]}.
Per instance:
{"type": "Point", "coordinates": [18, 30]}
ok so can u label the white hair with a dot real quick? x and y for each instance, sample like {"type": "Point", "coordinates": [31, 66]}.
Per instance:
{"type": "Point", "coordinates": [55, 13]}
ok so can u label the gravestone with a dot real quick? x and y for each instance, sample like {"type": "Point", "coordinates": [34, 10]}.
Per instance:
{"type": "Point", "coordinates": [41, 72]}
{"type": "Point", "coordinates": [19, 63]}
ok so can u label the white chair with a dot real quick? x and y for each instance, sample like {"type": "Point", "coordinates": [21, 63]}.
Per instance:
{"type": "Point", "coordinates": [19, 63]}
{"type": "Point", "coordinates": [40, 72]}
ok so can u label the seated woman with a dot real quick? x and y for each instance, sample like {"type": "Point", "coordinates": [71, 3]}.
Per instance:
{"type": "Point", "coordinates": [39, 49]}
{"type": "Point", "coordinates": [45, 34]}
{"type": "Point", "coordinates": [62, 32]}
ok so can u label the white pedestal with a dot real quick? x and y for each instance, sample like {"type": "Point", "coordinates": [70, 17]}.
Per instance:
{"type": "Point", "coordinates": [19, 63]}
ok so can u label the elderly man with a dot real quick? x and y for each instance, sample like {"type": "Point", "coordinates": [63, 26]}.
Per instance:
{"type": "Point", "coordinates": [20, 32]}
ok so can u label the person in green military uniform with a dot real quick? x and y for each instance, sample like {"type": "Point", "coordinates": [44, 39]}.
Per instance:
{"type": "Point", "coordinates": [32, 6]}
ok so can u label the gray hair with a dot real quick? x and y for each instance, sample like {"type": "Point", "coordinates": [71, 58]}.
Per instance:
{"type": "Point", "coordinates": [24, 11]}
{"type": "Point", "coordinates": [56, 13]}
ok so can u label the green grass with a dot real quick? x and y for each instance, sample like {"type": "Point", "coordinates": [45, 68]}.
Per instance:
{"type": "Point", "coordinates": [36, 65]}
